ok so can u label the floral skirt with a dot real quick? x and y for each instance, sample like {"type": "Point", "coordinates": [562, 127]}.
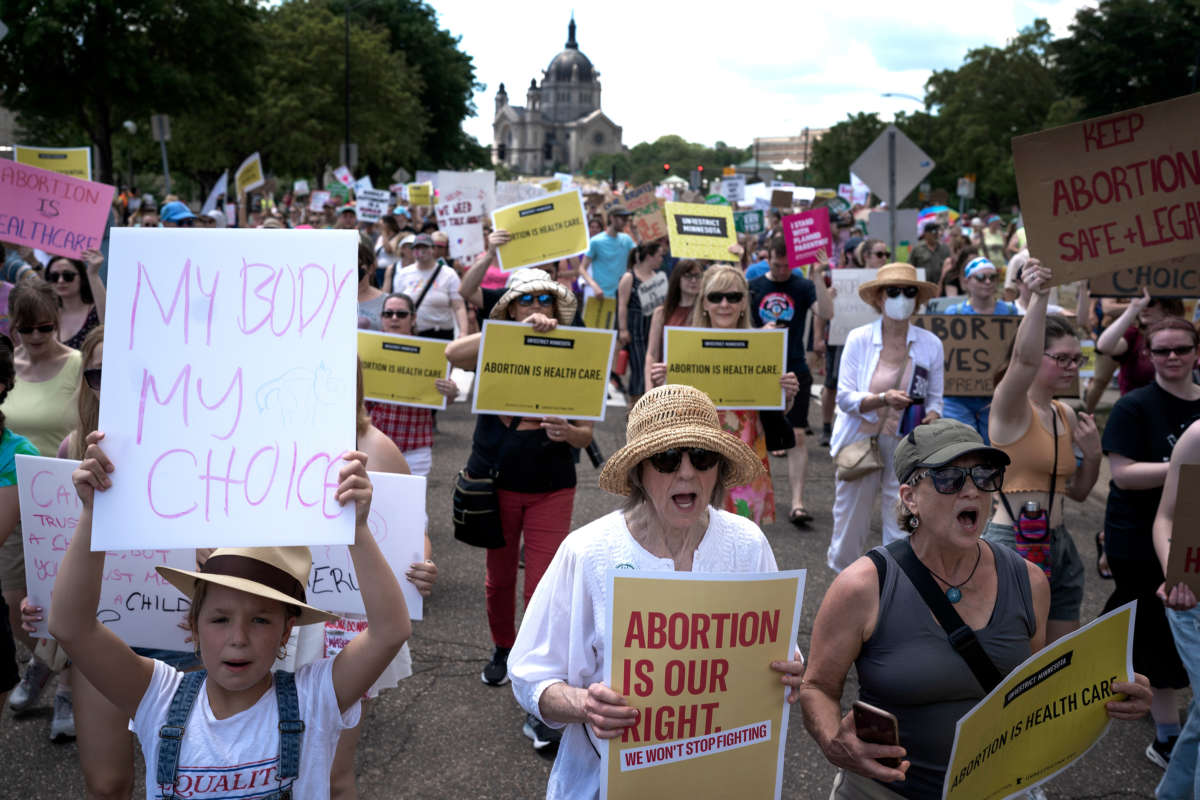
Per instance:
{"type": "Point", "coordinates": [755, 500]}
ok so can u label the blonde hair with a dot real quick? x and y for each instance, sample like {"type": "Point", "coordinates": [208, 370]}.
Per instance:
{"type": "Point", "coordinates": [362, 420]}
{"type": "Point", "coordinates": [87, 402]}
{"type": "Point", "coordinates": [722, 278]}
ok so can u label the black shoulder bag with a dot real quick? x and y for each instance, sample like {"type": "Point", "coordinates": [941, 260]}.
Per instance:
{"type": "Point", "coordinates": [476, 508]}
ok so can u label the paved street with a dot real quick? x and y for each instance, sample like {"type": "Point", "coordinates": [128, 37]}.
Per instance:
{"type": "Point", "coordinates": [443, 733]}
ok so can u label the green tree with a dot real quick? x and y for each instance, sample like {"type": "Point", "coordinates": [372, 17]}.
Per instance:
{"type": "Point", "coordinates": [644, 162]}
{"type": "Point", "coordinates": [90, 64]}
{"type": "Point", "coordinates": [841, 146]}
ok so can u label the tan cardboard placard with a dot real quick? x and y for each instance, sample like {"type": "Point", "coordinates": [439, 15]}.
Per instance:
{"type": "Point", "coordinates": [1113, 192]}
{"type": "Point", "coordinates": [1183, 565]}
{"type": "Point", "coordinates": [781, 198]}
{"type": "Point", "coordinates": [1175, 277]}
{"type": "Point", "coordinates": [973, 346]}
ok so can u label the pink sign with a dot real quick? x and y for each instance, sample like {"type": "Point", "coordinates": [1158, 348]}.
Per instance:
{"type": "Point", "coordinates": [50, 211]}
{"type": "Point", "coordinates": [806, 233]}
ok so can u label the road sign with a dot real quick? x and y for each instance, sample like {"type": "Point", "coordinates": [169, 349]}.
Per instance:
{"type": "Point", "coordinates": [160, 127]}
{"type": "Point", "coordinates": [966, 187]}
{"type": "Point", "coordinates": [912, 164]}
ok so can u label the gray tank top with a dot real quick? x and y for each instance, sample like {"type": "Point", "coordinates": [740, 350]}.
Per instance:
{"type": "Point", "coordinates": [909, 668]}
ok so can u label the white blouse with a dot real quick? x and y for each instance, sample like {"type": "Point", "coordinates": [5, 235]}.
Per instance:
{"type": "Point", "coordinates": [562, 634]}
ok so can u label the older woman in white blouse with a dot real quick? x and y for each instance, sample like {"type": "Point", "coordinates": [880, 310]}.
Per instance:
{"type": "Point", "coordinates": [878, 363]}
{"type": "Point", "coordinates": [674, 469]}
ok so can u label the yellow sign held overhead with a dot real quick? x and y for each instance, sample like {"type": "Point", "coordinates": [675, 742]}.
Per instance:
{"type": "Point", "coordinates": [402, 369]}
{"type": "Point", "coordinates": [543, 229]}
{"type": "Point", "coordinates": [697, 230]}
{"type": "Point", "coordinates": [736, 368]}
{"type": "Point", "coordinates": [73, 161]}
{"type": "Point", "coordinates": [420, 194]}
{"type": "Point", "coordinates": [249, 175]}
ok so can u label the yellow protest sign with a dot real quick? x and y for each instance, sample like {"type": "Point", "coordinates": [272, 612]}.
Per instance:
{"type": "Point", "coordinates": [73, 161]}
{"type": "Point", "coordinates": [563, 373]}
{"type": "Point", "coordinates": [692, 653]}
{"type": "Point", "coordinates": [697, 230]}
{"type": "Point", "coordinates": [600, 312]}
{"type": "Point", "coordinates": [543, 229]}
{"type": "Point", "coordinates": [738, 368]}
{"type": "Point", "coordinates": [402, 369]}
{"type": "Point", "coordinates": [420, 194]}
{"type": "Point", "coordinates": [249, 176]}
{"type": "Point", "coordinates": [1048, 712]}
{"type": "Point", "coordinates": [552, 186]}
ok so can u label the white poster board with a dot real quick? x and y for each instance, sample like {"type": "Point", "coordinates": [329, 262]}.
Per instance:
{"type": "Point", "coordinates": [481, 183]}
{"type": "Point", "coordinates": [229, 383]}
{"type": "Point", "coordinates": [363, 184]}
{"type": "Point", "coordinates": [372, 204]}
{"type": "Point", "coordinates": [460, 216]}
{"type": "Point", "coordinates": [512, 192]}
{"type": "Point", "coordinates": [398, 522]}
{"type": "Point", "coordinates": [427, 176]}
{"type": "Point", "coordinates": [849, 311]}
{"type": "Point", "coordinates": [318, 200]}
{"type": "Point", "coordinates": [344, 176]}
{"type": "Point", "coordinates": [733, 188]}
{"type": "Point", "coordinates": [136, 603]}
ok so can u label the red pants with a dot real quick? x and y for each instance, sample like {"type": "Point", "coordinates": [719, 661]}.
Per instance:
{"type": "Point", "coordinates": [545, 520]}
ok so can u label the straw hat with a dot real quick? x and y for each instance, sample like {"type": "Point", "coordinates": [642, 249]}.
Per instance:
{"type": "Point", "coordinates": [537, 281]}
{"type": "Point", "coordinates": [896, 275]}
{"type": "Point", "coordinates": [676, 416]}
{"type": "Point", "coordinates": [277, 573]}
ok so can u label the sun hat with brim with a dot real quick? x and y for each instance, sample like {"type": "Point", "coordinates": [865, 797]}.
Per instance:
{"type": "Point", "coordinates": [276, 573]}
{"type": "Point", "coordinates": [538, 281]}
{"type": "Point", "coordinates": [937, 443]}
{"type": "Point", "coordinates": [896, 275]}
{"type": "Point", "coordinates": [675, 415]}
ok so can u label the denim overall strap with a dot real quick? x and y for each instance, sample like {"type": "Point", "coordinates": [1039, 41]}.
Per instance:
{"type": "Point", "coordinates": [291, 727]}
{"type": "Point", "coordinates": [170, 735]}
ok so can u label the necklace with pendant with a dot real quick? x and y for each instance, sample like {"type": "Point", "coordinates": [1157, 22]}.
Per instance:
{"type": "Point", "coordinates": [954, 594]}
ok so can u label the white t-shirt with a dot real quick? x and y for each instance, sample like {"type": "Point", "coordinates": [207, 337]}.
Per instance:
{"type": "Point", "coordinates": [239, 756]}
{"type": "Point", "coordinates": [436, 311]}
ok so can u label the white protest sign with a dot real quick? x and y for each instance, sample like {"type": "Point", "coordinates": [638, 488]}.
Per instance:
{"type": "Point", "coordinates": [363, 184]}
{"type": "Point", "coordinates": [481, 183]}
{"type": "Point", "coordinates": [398, 523]}
{"type": "Point", "coordinates": [300, 187]}
{"type": "Point", "coordinates": [849, 311]}
{"type": "Point", "coordinates": [318, 200]}
{"type": "Point", "coordinates": [460, 216]}
{"type": "Point", "coordinates": [372, 204]}
{"type": "Point", "coordinates": [861, 193]}
{"type": "Point", "coordinates": [344, 176]}
{"type": "Point", "coordinates": [231, 215]}
{"type": "Point", "coordinates": [510, 193]}
{"type": "Point", "coordinates": [136, 603]}
{"type": "Point", "coordinates": [733, 188]}
{"type": "Point", "coordinates": [427, 176]}
{"type": "Point", "coordinates": [229, 382]}
{"type": "Point", "coordinates": [221, 187]}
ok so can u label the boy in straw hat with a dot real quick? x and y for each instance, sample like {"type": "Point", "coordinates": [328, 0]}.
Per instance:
{"type": "Point", "coordinates": [233, 733]}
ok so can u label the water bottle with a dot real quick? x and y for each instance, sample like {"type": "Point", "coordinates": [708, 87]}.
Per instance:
{"type": "Point", "coordinates": [1032, 535]}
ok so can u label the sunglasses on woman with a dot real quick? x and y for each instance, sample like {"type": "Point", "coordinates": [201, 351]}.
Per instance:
{"type": "Point", "coordinates": [390, 314]}
{"type": "Point", "coordinates": [668, 461]}
{"type": "Point", "coordinates": [92, 376]}
{"type": "Point", "coordinates": [530, 299]}
{"type": "Point", "coordinates": [950, 480]}
{"type": "Point", "coordinates": [65, 277]}
{"type": "Point", "coordinates": [1181, 350]}
{"type": "Point", "coordinates": [28, 329]}
{"type": "Point", "coordinates": [882, 253]}
{"type": "Point", "coordinates": [733, 297]}
{"type": "Point", "coordinates": [896, 291]}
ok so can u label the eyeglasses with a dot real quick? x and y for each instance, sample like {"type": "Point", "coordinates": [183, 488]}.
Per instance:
{"type": "Point", "coordinates": [950, 480]}
{"type": "Point", "coordinates": [390, 314]}
{"type": "Point", "coordinates": [1181, 350]}
{"type": "Point", "coordinates": [733, 297]}
{"type": "Point", "coordinates": [28, 329]}
{"type": "Point", "coordinates": [91, 376]}
{"type": "Point", "coordinates": [669, 460]}
{"type": "Point", "coordinates": [695, 276]}
{"type": "Point", "coordinates": [65, 277]}
{"type": "Point", "coordinates": [988, 278]}
{"type": "Point", "coordinates": [896, 291]}
{"type": "Point", "coordinates": [544, 299]}
{"type": "Point", "coordinates": [1066, 361]}
{"type": "Point", "coordinates": [882, 254]}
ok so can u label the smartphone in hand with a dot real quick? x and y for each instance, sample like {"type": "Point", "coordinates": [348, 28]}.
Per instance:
{"type": "Point", "coordinates": [877, 726]}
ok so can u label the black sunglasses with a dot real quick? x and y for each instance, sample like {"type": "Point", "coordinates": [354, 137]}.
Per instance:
{"type": "Point", "coordinates": [733, 297]}
{"type": "Point", "coordinates": [543, 299]}
{"type": "Point", "coordinates": [950, 480]}
{"type": "Point", "coordinates": [882, 254]}
{"type": "Point", "coordinates": [65, 277]}
{"type": "Point", "coordinates": [92, 376]}
{"type": "Point", "coordinates": [398, 314]}
{"type": "Point", "coordinates": [1181, 350]}
{"type": "Point", "coordinates": [190, 222]}
{"type": "Point", "coordinates": [896, 291]}
{"type": "Point", "coordinates": [669, 460]}
{"type": "Point", "coordinates": [28, 329]}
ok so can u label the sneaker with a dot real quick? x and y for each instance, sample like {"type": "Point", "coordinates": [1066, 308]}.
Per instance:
{"type": "Point", "coordinates": [62, 726]}
{"type": "Point", "coordinates": [826, 434]}
{"type": "Point", "coordinates": [32, 684]}
{"type": "Point", "coordinates": [496, 672]}
{"type": "Point", "coordinates": [1160, 752]}
{"type": "Point", "coordinates": [541, 734]}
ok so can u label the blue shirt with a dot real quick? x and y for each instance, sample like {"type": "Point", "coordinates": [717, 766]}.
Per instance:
{"type": "Point", "coordinates": [610, 259]}
{"type": "Point", "coordinates": [756, 270]}
{"type": "Point", "coordinates": [1002, 307]}
{"type": "Point", "coordinates": [11, 444]}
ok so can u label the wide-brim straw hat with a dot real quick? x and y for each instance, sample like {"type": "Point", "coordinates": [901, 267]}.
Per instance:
{"type": "Point", "coordinates": [675, 415]}
{"type": "Point", "coordinates": [538, 281]}
{"type": "Point", "coordinates": [276, 573]}
{"type": "Point", "coordinates": [896, 275]}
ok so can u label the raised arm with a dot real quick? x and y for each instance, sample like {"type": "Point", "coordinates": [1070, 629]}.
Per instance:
{"type": "Point", "coordinates": [1112, 341]}
{"type": "Point", "coordinates": [472, 279]}
{"type": "Point", "coordinates": [1010, 405]}
{"type": "Point", "coordinates": [654, 347]}
{"type": "Point", "coordinates": [94, 259]}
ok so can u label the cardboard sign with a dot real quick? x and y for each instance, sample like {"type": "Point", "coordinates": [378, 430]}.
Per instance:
{"type": "Point", "coordinates": [460, 216]}
{"type": "Point", "coordinates": [50, 211]}
{"type": "Point", "coordinates": [733, 188]}
{"type": "Point", "coordinates": [691, 653]}
{"type": "Point", "coordinates": [973, 345]}
{"type": "Point", "coordinates": [563, 373]}
{"type": "Point", "coordinates": [1045, 715]}
{"type": "Point", "coordinates": [229, 387]}
{"type": "Point", "coordinates": [402, 369]}
{"type": "Point", "coordinates": [600, 312]}
{"type": "Point", "coordinates": [420, 194]}
{"type": "Point", "coordinates": [543, 229]}
{"type": "Point", "coordinates": [736, 368]}
{"type": "Point", "coordinates": [73, 161]}
{"type": "Point", "coordinates": [781, 199]}
{"type": "Point", "coordinates": [249, 176]}
{"type": "Point", "coordinates": [1175, 277]}
{"type": "Point", "coordinates": [372, 204]}
{"type": "Point", "coordinates": [318, 200]}
{"type": "Point", "coordinates": [805, 234]}
{"type": "Point", "coordinates": [649, 222]}
{"type": "Point", "coordinates": [1183, 564]}
{"type": "Point", "coordinates": [397, 522]}
{"type": "Point", "coordinates": [696, 230]}
{"type": "Point", "coordinates": [136, 603]}
{"type": "Point", "coordinates": [1113, 192]}
{"type": "Point", "coordinates": [748, 221]}
{"type": "Point", "coordinates": [344, 176]}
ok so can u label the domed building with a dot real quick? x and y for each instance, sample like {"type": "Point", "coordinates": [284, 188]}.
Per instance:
{"type": "Point", "coordinates": [561, 125]}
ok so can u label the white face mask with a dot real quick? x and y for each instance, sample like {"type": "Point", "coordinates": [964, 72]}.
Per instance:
{"type": "Point", "coordinates": [899, 308]}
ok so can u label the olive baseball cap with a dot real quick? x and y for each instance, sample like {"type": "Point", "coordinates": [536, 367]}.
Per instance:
{"type": "Point", "coordinates": [937, 443]}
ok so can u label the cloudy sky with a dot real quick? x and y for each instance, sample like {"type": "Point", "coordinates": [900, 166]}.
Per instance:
{"type": "Point", "coordinates": [729, 71]}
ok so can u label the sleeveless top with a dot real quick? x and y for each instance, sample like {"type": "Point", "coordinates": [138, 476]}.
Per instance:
{"type": "Point", "coordinates": [909, 668]}
{"type": "Point", "coordinates": [1033, 456]}
{"type": "Point", "coordinates": [522, 461]}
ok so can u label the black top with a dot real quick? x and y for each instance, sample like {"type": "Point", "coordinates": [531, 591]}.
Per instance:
{"type": "Point", "coordinates": [1143, 426]}
{"type": "Point", "coordinates": [786, 304]}
{"type": "Point", "coordinates": [525, 461]}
